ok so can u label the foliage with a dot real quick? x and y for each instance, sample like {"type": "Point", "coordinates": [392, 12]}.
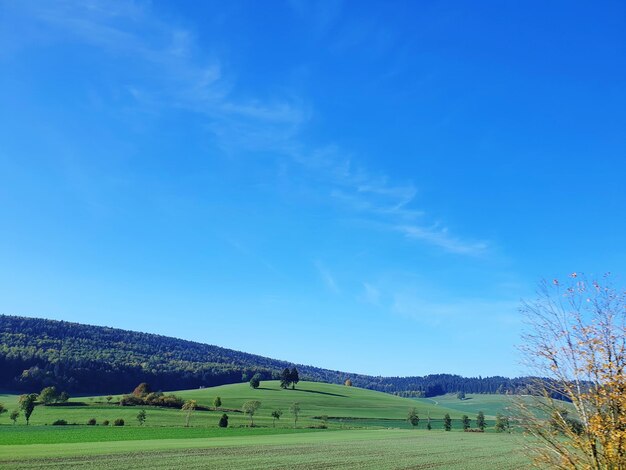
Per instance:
{"type": "Point", "coordinates": [466, 422]}
{"type": "Point", "coordinates": [14, 415]}
{"type": "Point", "coordinates": [141, 417]}
{"type": "Point", "coordinates": [413, 418]}
{"type": "Point", "coordinates": [189, 407]}
{"type": "Point", "coordinates": [2, 408]}
{"type": "Point", "coordinates": [27, 405]}
{"type": "Point", "coordinates": [250, 408]}
{"type": "Point", "coordinates": [460, 395]}
{"type": "Point", "coordinates": [295, 411]}
{"type": "Point", "coordinates": [429, 426]}
{"type": "Point", "coordinates": [152, 399]}
{"type": "Point", "coordinates": [576, 340]}
{"type": "Point", "coordinates": [294, 377]}
{"type": "Point", "coordinates": [105, 422]}
{"type": "Point", "coordinates": [276, 414]}
{"type": "Point", "coordinates": [223, 423]}
{"type": "Point", "coordinates": [348, 383]}
{"type": "Point", "coordinates": [59, 422]}
{"type": "Point", "coordinates": [502, 423]}
{"type": "Point", "coordinates": [255, 381]}
{"type": "Point", "coordinates": [92, 422]}
{"type": "Point", "coordinates": [48, 395]}
{"type": "Point", "coordinates": [285, 378]}
{"type": "Point", "coordinates": [447, 422]}
{"type": "Point", "coordinates": [37, 353]}
{"type": "Point", "coordinates": [118, 422]}
{"type": "Point", "coordinates": [142, 390]}
{"type": "Point", "coordinates": [480, 421]}
{"type": "Point", "coordinates": [217, 402]}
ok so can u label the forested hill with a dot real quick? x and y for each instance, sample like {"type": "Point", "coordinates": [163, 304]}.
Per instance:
{"type": "Point", "coordinates": [78, 358]}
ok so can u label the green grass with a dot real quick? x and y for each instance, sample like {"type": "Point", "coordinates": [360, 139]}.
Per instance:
{"type": "Point", "coordinates": [316, 399]}
{"type": "Point", "coordinates": [381, 449]}
{"type": "Point", "coordinates": [487, 403]}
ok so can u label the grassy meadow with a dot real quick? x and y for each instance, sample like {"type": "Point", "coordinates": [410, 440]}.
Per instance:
{"type": "Point", "coordinates": [365, 429]}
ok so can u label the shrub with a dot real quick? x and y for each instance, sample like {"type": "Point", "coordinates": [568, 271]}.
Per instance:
{"type": "Point", "coordinates": [92, 422]}
{"type": "Point", "coordinates": [105, 422]}
{"type": "Point", "coordinates": [60, 422]}
{"type": "Point", "coordinates": [118, 422]}
{"type": "Point", "coordinates": [223, 421]}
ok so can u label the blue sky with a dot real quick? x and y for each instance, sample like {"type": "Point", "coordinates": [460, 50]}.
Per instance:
{"type": "Point", "coordinates": [363, 186]}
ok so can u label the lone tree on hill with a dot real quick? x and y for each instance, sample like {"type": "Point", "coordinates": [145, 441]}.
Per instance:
{"type": "Point", "coordinates": [576, 340]}
{"type": "Point", "coordinates": [255, 381]}
{"type": "Point", "coordinates": [189, 407]}
{"type": "Point", "coordinates": [294, 377]}
{"type": "Point", "coordinates": [217, 402]}
{"type": "Point", "coordinates": [250, 408]}
{"type": "Point", "coordinates": [295, 411]}
{"type": "Point", "coordinates": [480, 421]}
{"type": "Point", "coordinates": [413, 418]}
{"type": "Point", "coordinates": [447, 422]}
{"type": "Point", "coordinates": [285, 378]}
{"type": "Point", "coordinates": [276, 414]}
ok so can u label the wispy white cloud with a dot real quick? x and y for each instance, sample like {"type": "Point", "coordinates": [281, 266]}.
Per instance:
{"type": "Point", "coordinates": [327, 277]}
{"type": "Point", "coordinates": [181, 77]}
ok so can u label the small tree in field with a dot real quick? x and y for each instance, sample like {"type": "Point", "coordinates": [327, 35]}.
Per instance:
{"type": "Point", "coordinates": [48, 395]}
{"type": "Point", "coordinates": [223, 421]}
{"type": "Point", "coordinates": [576, 340]}
{"type": "Point", "coordinates": [295, 411]}
{"type": "Point", "coordinates": [466, 422]}
{"type": "Point", "coordinates": [2, 409]}
{"type": "Point", "coordinates": [348, 383]}
{"type": "Point", "coordinates": [413, 418]}
{"type": "Point", "coordinates": [27, 405]}
{"type": "Point", "coordinates": [255, 381]}
{"type": "Point", "coordinates": [250, 408]}
{"type": "Point", "coordinates": [14, 415]}
{"type": "Point", "coordinates": [141, 417]}
{"type": "Point", "coordinates": [189, 407]}
{"type": "Point", "coordinates": [294, 377]}
{"type": "Point", "coordinates": [276, 414]}
{"type": "Point", "coordinates": [429, 426]}
{"type": "Point", "coordinates": [502, 423]}
{"type": "Point", "coordinates": [285, 378]}
{"type": "Point", "coordinates": [109, 398]}
{"type": "Point", "coordinates": [447, 422]}
{"type": "Point", "coordinates": [480, 421]}
{"type": "Point", "coordinates": [217, 402]}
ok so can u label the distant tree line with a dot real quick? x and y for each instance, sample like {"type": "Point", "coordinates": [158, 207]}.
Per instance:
{"type": "Point", "coordinates": [37, 353]}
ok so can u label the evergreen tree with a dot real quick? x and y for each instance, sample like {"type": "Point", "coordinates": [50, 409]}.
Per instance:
{"type": "Point", "coordinates": [447, 422]}
{"type": "Point", "coordinates": [285, 378]}
{"type": "Point", "coordinates": [466, 422]}
{"type": "Point", "coordinates": [294, 377]}
{"type": "Point", "coordinates": [480, 421]}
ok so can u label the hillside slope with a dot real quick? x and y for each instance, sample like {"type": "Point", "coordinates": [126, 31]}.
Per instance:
{"type": "Point", "coordinates": [92, 359]}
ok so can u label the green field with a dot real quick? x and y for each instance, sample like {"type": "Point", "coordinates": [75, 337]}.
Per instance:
{"type": "Point", "coordinates": [362, 433]}
{"type": "Point", "coordinates": [473, 403]}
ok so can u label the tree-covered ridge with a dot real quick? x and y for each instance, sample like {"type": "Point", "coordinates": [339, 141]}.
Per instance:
{"type": "Point", "coordinates": [35, 353]}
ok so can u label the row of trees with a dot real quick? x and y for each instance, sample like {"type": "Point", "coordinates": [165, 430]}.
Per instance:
{"type": "Point", "coordinates": [27, 402]}
{"type": "Point", "coordinates": [288, 377]}
{"type": "Point", "coordinates": [502, 422]}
